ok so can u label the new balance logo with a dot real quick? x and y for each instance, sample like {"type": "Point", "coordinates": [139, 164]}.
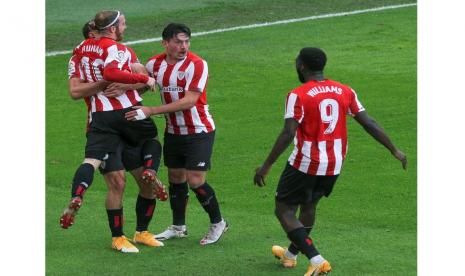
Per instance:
{"type": "Point", "coordinates": [201, 164]}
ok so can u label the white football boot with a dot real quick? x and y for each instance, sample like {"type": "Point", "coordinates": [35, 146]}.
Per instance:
{"type": "Point", "coordinates": [173, 231]}
{"type": "Point", "coordinates": [215, 231]}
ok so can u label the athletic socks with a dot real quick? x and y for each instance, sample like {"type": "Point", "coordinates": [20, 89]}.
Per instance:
{"type": "Point", "coordinates": [318, 259]}
{"type": "Point", "coordinates": [290, 255]}
{"type": "Point", "coordinates": [206, 196]}
{"type": "Point", "coordinates": [179, 196]}
{"type": "Point", "coordinates": [151, 151]}
{"type": "Point", "coordinates": [115, 220]}
{"type": "Point", "coordinates": [292, 248]}
{"type": "Point", "coordinates": [144, 212]}
{"type": "Point", "coordinates": [301, 240]}
{"type": "Point", "coordinates": [82, 180]}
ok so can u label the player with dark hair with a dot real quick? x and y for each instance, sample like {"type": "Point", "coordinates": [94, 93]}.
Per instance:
{"type": "Point", "coordinates": [315, 119]}
{"type": "Point", "coordinates": [190, 130]}
{"type": "Point", "coordinates": [88, 30]}
{"type": "Point", "coordinates": [96, 62]}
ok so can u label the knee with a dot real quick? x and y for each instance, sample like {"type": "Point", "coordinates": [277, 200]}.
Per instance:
{"type": "Point", "coordinates": [195, 178]}
{"type": "Point", "coordinates": [94, 162]}
{"type": "Point", "coordinates": [176, 176]}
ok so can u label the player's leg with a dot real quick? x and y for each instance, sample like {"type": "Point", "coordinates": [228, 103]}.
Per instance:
{"type": "Point", "coordinates": [115, 178]}
{"type": "Point", "coordinates": [307, 218]}
{"type": "Point", "coordinates": [296, 188]}
{"type": "Point", "coordinates": [151, 153]}
{"type": "Point", "coordinates": [82, 180]}
{"type": "Point", "coordinates": [198, 159]}
{"type": "Point", "coordinates": [174, 147]}
{"type": "Point", "coordinates": [145, 208]}
{"type": "Point", "coordinates": [179, 197]}
{"type": "Point", "coordinates": [95, 152]}
{"type": "Point", "coordinates": [144, 133]}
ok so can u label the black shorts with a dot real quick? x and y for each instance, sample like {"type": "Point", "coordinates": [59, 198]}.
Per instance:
{"type": "Point", "coordinates": [191, 152]}
{"type": "Point", "coordinates": [296, 187]}
{"type": "Point", "coordinates": [109, 128]}
{"type": "Point", "coordinates": [125, 158]}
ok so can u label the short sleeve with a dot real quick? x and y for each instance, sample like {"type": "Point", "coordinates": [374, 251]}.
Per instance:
{"type": "Point", "coordinates": [149, 67]}
{"type": "Point", "coordinates": [355, 106]}
{"type": "Point", "coordinates": [294, 107]}
{"type": "Point", "coordinates": [197, 76]}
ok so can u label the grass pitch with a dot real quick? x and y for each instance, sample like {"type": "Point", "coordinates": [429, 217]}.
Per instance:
{"type": "Point", "coordinates": [366, 227]}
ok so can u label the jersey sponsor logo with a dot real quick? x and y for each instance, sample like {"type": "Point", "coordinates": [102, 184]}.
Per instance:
{"type": "Point", "coordinates": [168, 89]}
{"type": "Point", "coordinates": [181, 75]}
{"type": "Point", "coordinates": [324, 89]}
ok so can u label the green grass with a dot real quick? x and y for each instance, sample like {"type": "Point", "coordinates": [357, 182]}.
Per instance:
{"type": "Point", "coordinates": [147, 18]}
{"type": "Point", "coordinates": [366, 227]}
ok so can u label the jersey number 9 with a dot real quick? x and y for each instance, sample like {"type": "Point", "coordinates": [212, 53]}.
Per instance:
{"type": "Point", "coordinates": [329, 111]}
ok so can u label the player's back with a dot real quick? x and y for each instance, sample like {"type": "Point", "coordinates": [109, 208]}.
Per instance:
{"type": "Point", "coordinates": [321, 139]}
{"type": "Point", "coordinates": [95, 55]}
{"type": "Point", "coordinates": [325, 105]}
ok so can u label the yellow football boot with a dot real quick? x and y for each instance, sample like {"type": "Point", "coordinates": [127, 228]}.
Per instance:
{"type": "Point", "coordinates": [146, 238]}
{"type": "Point", "coordinates": [122, 244]}
{"type": "Point", "coordinates": [321, 269]}
{"type": "Point", "coordinates": [278, 252]}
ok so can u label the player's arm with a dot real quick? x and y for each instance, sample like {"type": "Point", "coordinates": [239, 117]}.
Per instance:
{"type": "Point", "coordinates": [79, 89]}
{"type": "Point", "coordinates": [282, 142]}
{"type": "Point", "coordinates": [375, 130]}
{"type": "Point", "coordinates": [142, 112]}
{"type": "Point", "coordinates": [116, 89]}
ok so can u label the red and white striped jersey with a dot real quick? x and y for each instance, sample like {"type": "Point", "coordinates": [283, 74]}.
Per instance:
{"type": "Point", "coordinates": [320, 107]}
{"type": "Point", "coordinates": [75, 71]}
{"type": "Point", "coordinates": [189, 74]}
{"type": "Point", "coordinates": [91, 58]}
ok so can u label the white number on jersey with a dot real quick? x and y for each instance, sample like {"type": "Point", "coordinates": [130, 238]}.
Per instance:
{"type": "Point", "coordinates": [329, 110]}
{"type": "Point", "coordinates": [97, 66]}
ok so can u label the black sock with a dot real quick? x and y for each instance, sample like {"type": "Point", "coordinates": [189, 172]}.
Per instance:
{"type": "Point", "coordinates": [179, 195]}
{"type": "Point", "coordinates": [206, 196]}
{"type": "Point", "coordinates": [151, 152]}
{"type": "Point", "coordinates": [292, 248]}
{"type": "Point", "coordinates": [116, 220]}
{"type": "Point", "coordinates": [82, 180]}
{"type": "Point", "coordinates": [144, 212]}
{"type": "Point", "coordinates": [301, 240]}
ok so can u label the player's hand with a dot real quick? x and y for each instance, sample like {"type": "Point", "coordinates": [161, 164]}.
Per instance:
{"type": "Point", "coordinates": [139, 113]}
{"type": "Point", "coordinates": [115, 89]}
{"type": "Point", "coordinates": [259, 177]}
{"type": "Point", "coordinates": [401, 157]}
{"type": "Point", "coordinates": [151, 83]}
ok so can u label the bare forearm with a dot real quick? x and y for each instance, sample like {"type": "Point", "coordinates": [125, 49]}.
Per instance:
{"type": "Point", "coordinates": [282, 142]}
{"type": "Point", "coordinates": [380, 135]}
{"type": "Point", "coordinates": [182, 104]}
{"type": "Point", "coordinates": [82, 90]}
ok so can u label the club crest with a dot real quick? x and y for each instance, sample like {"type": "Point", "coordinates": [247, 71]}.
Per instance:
{"type": "Point", "coordinates": [181, 75]}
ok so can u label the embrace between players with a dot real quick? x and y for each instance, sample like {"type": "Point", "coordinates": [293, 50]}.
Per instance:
{"type": "Point", "coordinates": [122, 136]}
